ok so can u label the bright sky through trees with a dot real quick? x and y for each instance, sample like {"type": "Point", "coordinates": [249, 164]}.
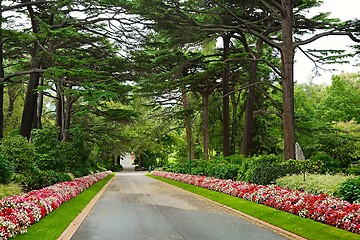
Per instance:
{"type": "Point", "coordinates": [304, 68]}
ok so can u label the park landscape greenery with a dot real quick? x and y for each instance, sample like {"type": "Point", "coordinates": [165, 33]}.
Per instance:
{"type": "Point", "coordinates": [201, 87]}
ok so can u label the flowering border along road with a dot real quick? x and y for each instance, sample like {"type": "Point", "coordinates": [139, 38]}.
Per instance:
{"type": "Point", "coordinates": [321, 208]}
{"type": "Point", "coordinates": [17, 213]}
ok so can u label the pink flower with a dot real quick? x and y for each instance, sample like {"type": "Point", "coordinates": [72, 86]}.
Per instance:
{"type": "Point", "coordinates": [17, 213]}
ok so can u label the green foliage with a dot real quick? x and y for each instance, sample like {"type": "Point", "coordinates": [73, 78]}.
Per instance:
{"type": "Point", "coordinates": [340, 146]}
{"type": "Point", "coordinates": [350, 190]}
{"type": "Point", "coordinates": [17, 150]}
{"type": "Point", "coordinates": [300, 166]}
{"type": "Point", "coordinates": [61, 156]}
{"type": "Point", "coordinates": [329, 165]}
{"type": "Point", "coordinates": [6, 170]}
{"type": "Point", "coordinates": [36, 178]}
{"type": "Point", "coordinates": [222, 170]}
{"type": "Point", "coordinates": [342, 103]}
{"type": "Point", "coordinates": [9, 190]}
{"type": "Point", "coordinates": [260, 169]}
{"type": "Point", "coordinates": [354, 170]}
{"type": "Point", "coordinates": [326, 120]}
{"type": "Point", "coordinates": [314, 183]}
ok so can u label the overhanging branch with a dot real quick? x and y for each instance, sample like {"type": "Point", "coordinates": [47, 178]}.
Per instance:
{"type": "Point", "coordinates": [17, 74]}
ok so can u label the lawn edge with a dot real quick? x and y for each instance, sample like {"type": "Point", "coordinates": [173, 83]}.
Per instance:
{"type": "Point", "coordinates": [261, 223]}
{"type": "Point", "coordinates": [75, 224]}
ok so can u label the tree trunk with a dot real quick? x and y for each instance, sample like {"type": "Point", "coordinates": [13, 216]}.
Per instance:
{"type": "Point", "coordinates": [39, 108]}
{"type": "Point", "coordinates": [205, 122]}
{"type": "Point", "coordinates": [31, 95]}
{"type": "Point", "coordinates": [287, 59]}
{"type": "Point", "coordinates": [30, 99]}
{"type": "Point", "coordinates": [226, 105]}
{"type": "Point", "coordinates": [249, 114]}
{"type": "Point", "coordinates": [2, 74]}
{"type": "Point", "coordinates": [234, 122]}
{"type": "Point", "coordinates": [187, 118]}
{"type": "Point", "coordinates": [67, 117]}
{"type": "Point", "coordinates": [59, 109]}
{"type": "Point", "coordinates": [1, 96]}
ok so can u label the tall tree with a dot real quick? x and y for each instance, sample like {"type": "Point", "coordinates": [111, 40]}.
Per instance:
{"type": "Point", "coordinates": [2, 74]}
{"type": "Point", "coordinates": [292, 20]}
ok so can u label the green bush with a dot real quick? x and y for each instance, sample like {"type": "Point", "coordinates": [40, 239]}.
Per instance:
{"type": "Point", "coordinates": [350, 190]}
{"type": "Point", "coordinates": [262, 169]}
{"type": "Point", "coordinates": [222, 170]}
{"type": "Point", "coordinates": [36, 178]}
{"type": "Point", "coordinates": [265, 174]}
{"type": "Point", "coordinates": [300, 166]}
{"type": "Point", "coordinates": [6, 170]}
{"type": "Point", "coordinates": [19, 152]}
{"type": "Point", "coordinates": [314, 183]}
{"type": "Point", "coordinates": [329, 165]}
{"type": "Point", "coordinates": [60, 156]}
{"type": "Point", "coordinates": [234, 159]}
{"type": "Point", "coordinates": [199, 167]}
{"type": "Point", "coordinates": [353, 170]}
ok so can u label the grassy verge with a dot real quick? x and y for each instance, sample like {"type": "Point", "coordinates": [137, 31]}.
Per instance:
{"type": "Point", "coordinates": [301, 226]}
{"type": "Point", "coordinates": [54, 224]}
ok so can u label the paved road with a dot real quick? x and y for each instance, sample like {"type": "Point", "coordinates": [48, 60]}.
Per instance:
{"type": "Point", "coordinates": [138, 207]}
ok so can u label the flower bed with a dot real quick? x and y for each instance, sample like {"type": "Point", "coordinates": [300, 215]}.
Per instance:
{"type": "Point", "coordinates": [17, 213]}
{"type": "Point", "coordinates": [321, 208]}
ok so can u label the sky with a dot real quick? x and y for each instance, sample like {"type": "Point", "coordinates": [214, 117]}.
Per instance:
{"type": "Point", "coordinates": [303, 72]}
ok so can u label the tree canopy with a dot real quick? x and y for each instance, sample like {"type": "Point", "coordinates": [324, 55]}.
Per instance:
{"type": "Point", "coordinates": [183, 79]}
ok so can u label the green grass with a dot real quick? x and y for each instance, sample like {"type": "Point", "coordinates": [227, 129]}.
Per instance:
{"type": "Point", "coordinates": [301, 226]}
{"type": "Point", "coordinates": [54, 224]}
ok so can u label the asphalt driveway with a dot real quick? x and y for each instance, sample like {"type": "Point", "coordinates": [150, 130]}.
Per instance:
{"type": "Point", "coordinates": [137, 207]}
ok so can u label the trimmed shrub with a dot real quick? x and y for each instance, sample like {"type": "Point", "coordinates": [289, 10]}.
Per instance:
{"type": "Point", "coordinates": [261, 169]}
{"type": "Point", "coordinates": [7, 170]}
{"type": "Point", "coordinates": [36, 178]}
{"type": "Point", "coordinates": [350, 190]}
{"type": "Point", "coordinates": [265, 174]}
{"type": "Point", "coordinates": [300, 166]}
{"type": "Point", "coordinates": [222, 170]}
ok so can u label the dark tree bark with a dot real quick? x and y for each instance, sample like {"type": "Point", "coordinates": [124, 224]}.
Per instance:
{"type": "Point", "coordinates": [249, 113]}
{"type": "Point", "coordinates": [1, 95]}
{"type": "Point", "coordinates": [226, 90]}
{"type": "Point", "coordinates": [31, 94]}
{"type": "Point", "coordinates": [30, 100]}
{"type": "Point", "coordinates": [287, 57]}
{"type": "Point", "coordinates": [187, 118]}
{"type": "Point", "coordinates": [67, 119]}
{"type": "Point", "coordinates": [1, 76]}
{"type": "Point", "coordinates": [59, 109]}
{"type": "Point", "coordinates": [205, 122]}
{"type": "Point", "coordinates": [39, 109]}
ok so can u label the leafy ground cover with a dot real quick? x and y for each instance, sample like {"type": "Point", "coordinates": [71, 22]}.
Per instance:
{"type": "Point", "coordinates": [9, 190]}
{"type": "Point", "coordinates": [17, 213]}
{"type": "Point", "coordinates": [321, 208]}
{"type": "Point", "coordinates": [314, 183]}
